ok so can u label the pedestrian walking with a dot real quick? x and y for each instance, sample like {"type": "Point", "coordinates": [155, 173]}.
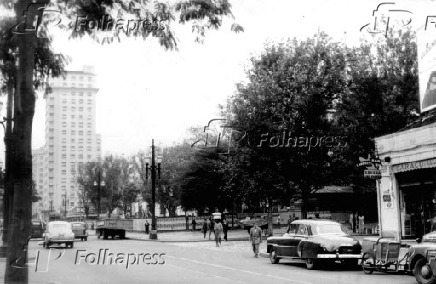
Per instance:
{"type": "Point", "coordinates": [147, 226]}
{"type": "Point", "coordinates": [225, 228]}
{"type": "Point", "coordinates": [211, 226]}
{"type": "Point", "coordinates": [218, 229]}
{"type": "Point", "coordinates": [278, 222]}
{"type": "Point", "coordinates": [256, 239]}
{"type": "Point", "coordinates": [361, 223]}
{"type": "Point", "coordinates": [205, 226]}
{"type": "Point", "coordinates": [194, 223]}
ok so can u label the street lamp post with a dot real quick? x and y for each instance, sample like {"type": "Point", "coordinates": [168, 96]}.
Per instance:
{"type": "Point", "coordinates": [153, 168]}
{"type": "Point", "coordinates": [65, 205]}
{"type": "Point", "coordinates": [99, 183]}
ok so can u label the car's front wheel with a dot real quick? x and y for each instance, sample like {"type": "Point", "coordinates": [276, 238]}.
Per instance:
{"type": "Point", "coordinates": [423, 272]}
{"type": "Point", "coordinates": [311, 263]}
{"type": "Point", "coordinates": [273, 256]}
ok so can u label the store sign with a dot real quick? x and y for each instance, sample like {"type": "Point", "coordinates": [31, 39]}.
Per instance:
{"type": "Point", "coordinates": [372, 166]}
{"type": "Point", "coordinates": [372, 174]}
{"type": "Point", "coordinates": [387, 200]}
{"type": "Point", "coordinates": [414, 166]}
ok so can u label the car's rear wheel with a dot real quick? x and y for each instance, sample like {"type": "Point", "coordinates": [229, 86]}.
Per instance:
{"type": "Point", "coordinates": [311, 263]}
{"type": "Point", "coordinates": [368, 263]}
{"type": "Point", "coordinates": [86, 239]}
{"type": "Point", "coordinates": [71, 244]}
{"type": "Point", "coordinates": [273, 256]}
{"type": "Point", "coordinates": [423, 272]}
{"type": "Point", "coordinates": [47, 245]}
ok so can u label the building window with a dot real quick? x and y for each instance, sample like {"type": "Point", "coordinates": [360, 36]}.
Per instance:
{"type": "Point", "coordinates": [73, 94]}
{"type": "Point", "coordinates": [80, 156]}
{"type": "Point", "coordinates": [80, 132]}
{"type": "Point", "coordinates": [81, 109]}
{"type": "Point", "coordinates": [73, 108]}
{"type": "Point", "coordinates": [64, 156]}
{"type": "Point", "coordinates": [73, 124]}
{"type": "Point", "coordinates": [80, 78]}
{"type": "Point", "coordinates": [89, 148]}
{"type": "Point", "coordinates": [73, 132]}
{"type": "Point", "coordinates": [89, 94]}
{"type": "Point", "coordinates": [81, 101]}
{"type": "Point", "coordinates": [64, 148]}
{"type": "Point", "coordinates": [64, 172]}
{"type": "Point", "coordinates": [64, 101]}
{"type": "Point", "coordinates": [64, 124]}
{"type": "Point", "coordinates": [73, 140]}
{"type": "Point", "coordinates": [89, 102]}
{"type": "Point", "coordinates": [64, 116]}
{"type": "Point", "coordinates": [81, 94]}
{"type": "Point", "coordinates": [73, 101]}
{"type": "Point", "coordinates": [64, 108]}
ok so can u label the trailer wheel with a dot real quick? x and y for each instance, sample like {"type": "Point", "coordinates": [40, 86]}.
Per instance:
{"type": "Point", "coordinates": [123, 235]}
{"type": "Point", "coordinates": [105, 235]}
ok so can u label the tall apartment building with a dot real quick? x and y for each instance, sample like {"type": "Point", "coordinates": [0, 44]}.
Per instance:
{"type": "Point", "coordinates": [38, 166]}
{"type": "Point", "coordinates": [70, 138]}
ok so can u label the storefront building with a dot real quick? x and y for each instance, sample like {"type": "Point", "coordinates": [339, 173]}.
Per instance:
{"type": "Point", "coordinates": [406, 192]}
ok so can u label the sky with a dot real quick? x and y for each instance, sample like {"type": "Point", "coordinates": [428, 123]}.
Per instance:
{"type": "Point", "coordinates": [146, 92]}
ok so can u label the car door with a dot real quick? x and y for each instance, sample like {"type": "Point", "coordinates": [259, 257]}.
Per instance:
{"type": "Point", "coordinates": [300, 235]}
{"type": "Point", "coordinates": [285, 244]}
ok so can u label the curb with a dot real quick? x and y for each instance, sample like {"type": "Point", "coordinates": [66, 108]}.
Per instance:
{"type": "Point", "coordinates": [188, 241]}
{"type": "Point", "coordinates": [264, 254]}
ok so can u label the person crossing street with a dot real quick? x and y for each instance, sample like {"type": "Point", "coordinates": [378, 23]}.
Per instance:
{"type": "Point", "coordinates": [256, 239]}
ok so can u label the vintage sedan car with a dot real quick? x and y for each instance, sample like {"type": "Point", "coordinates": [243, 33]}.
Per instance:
{"type": "Point", "coordinates": [79, 230]}
{"type": "Point", "coordinates": [422, 259]}
{"type": "Point", "coordinates": [37, 229]}
{"type": "Point", "coordinates": [58, 232]}
{"type": "Point", "coordinates": [315, 242]}
{"type": "Point", "coordinates": [248, 223]}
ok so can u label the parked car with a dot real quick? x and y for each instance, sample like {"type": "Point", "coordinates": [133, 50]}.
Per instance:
{"type": "Point", "coordinates": [422, 259]}
{"type": "Point", "coordinates": [248, 223]}
{"type": "Point", "coordinates": [37, 229]}
{"type": "Point", "coordinates": [79, 230]}
{"type": "Point", "coordinates": [314, 242]}
{"type": "Point", "coordinates": [58, 232]}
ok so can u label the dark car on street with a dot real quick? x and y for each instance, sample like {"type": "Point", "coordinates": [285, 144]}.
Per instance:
{"type": "Point", "coordinates": [315, 242]}
{"type": "Point", "coordinates": [37, 229]}
{"type": "Point", "coordinates": [422, 259]}
{"type": "Point", "coordinates": [79, 230]}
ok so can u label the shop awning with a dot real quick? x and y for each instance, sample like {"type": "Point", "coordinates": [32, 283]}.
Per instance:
{"type": "Point", "coordinates": [405, 167]}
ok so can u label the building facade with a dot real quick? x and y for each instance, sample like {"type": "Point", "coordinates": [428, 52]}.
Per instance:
{"type": "Point", "coordinates": [406, 192]}
{"type": "Point", "coordinates": [70, 139]}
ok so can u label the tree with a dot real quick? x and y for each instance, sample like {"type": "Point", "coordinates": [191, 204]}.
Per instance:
{"type": "Point", "coordinates": [381, 97]}
{"type": "Point", "coordinates": [283, 112]}
{"type": "Point", "coordinates": [204, 14]}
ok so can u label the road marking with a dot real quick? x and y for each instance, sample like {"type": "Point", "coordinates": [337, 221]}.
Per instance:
{"type": "Point", "coordinates": [207, 274]}
{"type": "Point", "coordinates": [239, 270]}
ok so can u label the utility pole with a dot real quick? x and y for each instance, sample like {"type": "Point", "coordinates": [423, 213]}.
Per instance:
{"type": "Point", "coordinates": [153, 233]}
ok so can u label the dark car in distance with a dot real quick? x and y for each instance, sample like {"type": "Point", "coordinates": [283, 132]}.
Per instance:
{"type": "Point", "coordinates": [37, 229]}
{"type": "Point", "coordinates": [315, 242]}
{"type": "Point", "coordinates": [79, 230]}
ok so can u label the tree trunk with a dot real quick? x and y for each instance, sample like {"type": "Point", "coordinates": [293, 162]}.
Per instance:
{"type": "Point", "coordinates": [304, 199]}
{"type": "Point", "coordinates": [21, 175]}
{"type": "Point", "coordinates": [8, 191]}
{"type": "Point", "coordinates": [270, 219]}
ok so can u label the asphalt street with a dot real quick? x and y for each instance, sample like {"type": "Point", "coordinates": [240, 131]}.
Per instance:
{"type": "Point", "coordinates": [136, 261]}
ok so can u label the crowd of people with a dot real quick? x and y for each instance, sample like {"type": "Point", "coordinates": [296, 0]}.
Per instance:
{"type": "Point", "coordinates": [217, 227]}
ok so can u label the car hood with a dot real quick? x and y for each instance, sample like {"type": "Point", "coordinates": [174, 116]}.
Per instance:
{"type": "Point", "coordinates": [333, 242]}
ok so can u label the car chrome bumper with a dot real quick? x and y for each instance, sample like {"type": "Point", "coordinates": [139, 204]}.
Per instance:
{"type": "Point", "coordinates": [340, 256]}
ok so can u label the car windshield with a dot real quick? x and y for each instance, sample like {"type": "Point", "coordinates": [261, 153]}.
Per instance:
{"type": "Point", "coordinates": [60, 227]}
{"type": "Point", "coordinates": [327, 229]}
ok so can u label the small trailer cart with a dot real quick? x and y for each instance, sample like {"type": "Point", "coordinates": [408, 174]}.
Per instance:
{"type": "Point", "coordinates": [383, 254]}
